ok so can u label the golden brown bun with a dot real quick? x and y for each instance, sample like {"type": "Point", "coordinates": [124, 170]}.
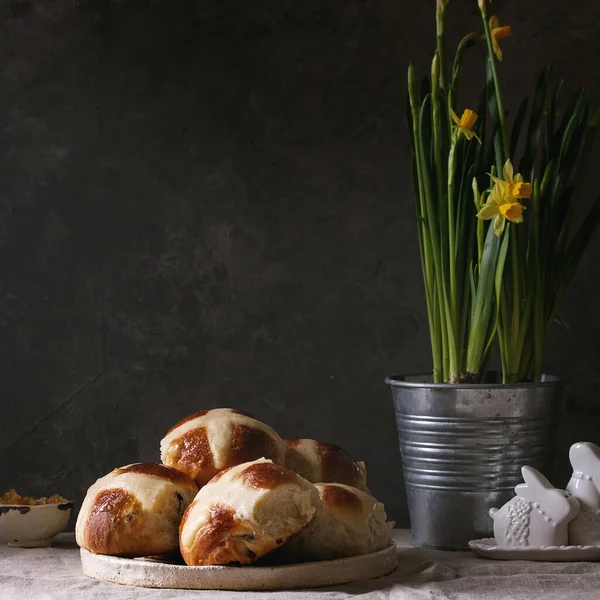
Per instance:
{"type": "Point", "coordinates": [322, 462]}
{"type": "Point", "coordinates": [244, 513]}
{"type": "Point", "coordinates": [135, 511]}
{"type": "Point", "coordinates": [209, 441]}
{"type": "Point", "coordinates": [351, 522]}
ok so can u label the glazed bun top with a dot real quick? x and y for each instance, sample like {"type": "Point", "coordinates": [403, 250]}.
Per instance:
{"type": "Point", "coordinates": [206, 442]}
{"type": "Point", "coordinates": [350, 523]}
{"type": "Point", "coordinates": [355, 509]}
{"type": "Point", "coordinates": [320, 462]}
{"type": "Point", "coordinates": [146, 481]}
{"type": "Point", "coordinates": [245, 512]}
{"type": "Point", "coordinates": [135, 510]}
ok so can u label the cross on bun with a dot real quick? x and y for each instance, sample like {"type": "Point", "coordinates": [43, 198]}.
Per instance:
{"type": "Point", "coordinates": [322, 462]}
{"type": "Point", "coordinates": [245, 512]}
{"type": "Point", "coordinates": [209, 441]}
{"type": "Point", "coordinates": [350, 523]}
{"type": "Point", "coordinates": [135, 511]}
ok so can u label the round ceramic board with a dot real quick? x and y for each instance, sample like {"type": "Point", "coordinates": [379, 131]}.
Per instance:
{"type": "Point", "coordinates": [157, 574]}
{"type": "Point", "coordinates": [487, 548]}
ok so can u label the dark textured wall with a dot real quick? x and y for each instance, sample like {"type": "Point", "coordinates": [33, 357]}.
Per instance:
{"type": "Point", "coordinates": [209, 204]}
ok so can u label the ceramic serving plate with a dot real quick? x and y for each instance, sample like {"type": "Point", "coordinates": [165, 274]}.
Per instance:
{"type": "Point", "coordinates": [487, 548]}
{"type": "Point", "coordinates": [159, 574]}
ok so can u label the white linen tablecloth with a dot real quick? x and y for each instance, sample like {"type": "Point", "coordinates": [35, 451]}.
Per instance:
{"type": "Point", "coordinates": [55, 574]}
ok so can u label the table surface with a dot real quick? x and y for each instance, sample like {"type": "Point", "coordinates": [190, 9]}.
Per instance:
{"type": "Point", "coordinates": [55, 573]}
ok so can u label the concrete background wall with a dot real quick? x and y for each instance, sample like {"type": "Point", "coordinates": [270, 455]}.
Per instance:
{"type": "Point", "coordinates": [209, 204]}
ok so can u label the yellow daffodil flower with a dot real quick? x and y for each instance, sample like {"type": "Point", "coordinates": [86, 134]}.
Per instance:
{"type": "Point", "coordinates": [498, 33]}
{"type": "Point", "coordinates": [466, 123]}
{"type": "Point", "coordinates": [499, 207]}
{"type": "Point", "coordinates": [503, 201]}
{"type": "Point", "coordinates": [513, 185]}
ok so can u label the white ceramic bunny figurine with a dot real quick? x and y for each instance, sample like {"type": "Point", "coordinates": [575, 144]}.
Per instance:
{"type": "Point", "coordinates": [538, 516]}
{"type": "Point", "coordinates": [585, 486]}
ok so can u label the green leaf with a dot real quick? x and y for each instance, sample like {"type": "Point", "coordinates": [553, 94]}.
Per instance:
{"type": "Point", "coordinates": [473, 289]}
{"type": "Point", "coordinates": [549, 134]}
{"type": "Point", "coordinates": [547, 178]}
{"type": "Point", "coordinates": [572, 138]}
{"type": "Point", "coordinates": [501, 261]}
{"type": "Point", "coordinates": [581, 239]}
{"type": "Point", "coordinates": [425, 88]}
{"type": "Point", "coordinates": [535, 124]}
{"type": "Point", "coordinates": [572, 108]}
{"type": "Point", "coordinates": [426, 139]}
{"type": "Point", "coordinates": [560, 321]}
{"type": "Point", "coordinates": [467, 42]}
{"type": "Point", "coordinates": [518, 124]}
{"type": "Point", "coordinates": [483, 302]}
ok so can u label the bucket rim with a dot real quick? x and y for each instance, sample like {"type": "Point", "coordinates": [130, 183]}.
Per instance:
{"type": "Point", "coordinates": [420, 381]}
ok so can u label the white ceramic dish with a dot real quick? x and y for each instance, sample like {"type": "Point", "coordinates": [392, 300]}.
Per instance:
{"type": "Point", "coordinates": [158, 574]}
{"type": "Point", "coordinates": [487, 548]}
{"type": "Point", "coordinates": [25, 526]}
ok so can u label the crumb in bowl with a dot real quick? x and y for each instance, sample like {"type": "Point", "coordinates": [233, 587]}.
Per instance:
{"type": "Point", "coordinates": [12, 497]}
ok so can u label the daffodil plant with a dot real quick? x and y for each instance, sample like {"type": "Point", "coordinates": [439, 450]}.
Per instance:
{"type": "Point", "coordinates": [498, 247]}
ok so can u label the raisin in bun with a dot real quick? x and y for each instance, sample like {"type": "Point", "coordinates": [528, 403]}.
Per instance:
{"type": "Point", "coordinates": [321, 462]}
{"type": "Point", "coordinates": [209, 441]}
{"type": "Point", "coordinates": [135, 511]}
{"type": "Point", "coordinates": [350, 523]}
{"type": "Point", "coordinates": [245, 512]}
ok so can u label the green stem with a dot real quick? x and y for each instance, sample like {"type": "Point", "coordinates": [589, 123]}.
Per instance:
{"type": "Point", "coordinates": [424, 233]}
{"type": "Point", "coordinates": [539, 335]}
{"type": "Point", "coordinates": [440, 39]}
{"type": "Point", "coordinates": [515, 315]}
{"type": "Point", "coordinates": [450, 354]}
{"type": "Point", "coordinates": [466, 296]}
{"type": "Point", "coordinates": [539, 310]}
{"type": "Point", "coordinates": [492, 63]}
{"type": "Point", "coordinates": [503, 312]}
{"type": "Point", "coordinates": [444, 333]}
{"type": "Point", "coordinates": [521, 364]}
{"type": "Point", "coordinates": [452, 255]}
{"type": "Point", "coordinates": [437, 126]}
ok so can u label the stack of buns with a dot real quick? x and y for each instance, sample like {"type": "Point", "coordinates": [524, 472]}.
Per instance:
{"type": "Point", "coordinates": [231, 491]}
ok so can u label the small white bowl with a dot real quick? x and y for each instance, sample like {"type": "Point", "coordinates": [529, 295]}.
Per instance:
{"type": "Point", "coordinates": [25, 526]}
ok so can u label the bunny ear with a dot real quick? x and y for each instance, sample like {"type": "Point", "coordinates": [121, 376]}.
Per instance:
{"type": "Point", "coordinates": [534, 479]}
{"type": "Point", "coordinates": [584, 456]}
{"type": "Point", "coordinates": [535, 484]}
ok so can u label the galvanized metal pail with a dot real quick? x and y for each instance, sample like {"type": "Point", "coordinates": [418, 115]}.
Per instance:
{"type": "Point", "coordinates": [463, 447]}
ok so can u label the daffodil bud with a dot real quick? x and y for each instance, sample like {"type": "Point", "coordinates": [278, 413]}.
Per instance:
{"type": "Point", "coordinates": [413, 87]}
{"type": "Point", "coordinates": [435, 67]}
{"type": "Point", "coordinates": [477, 197]}
{"type": "Point", "coordinates": [412, 77]}
{"type": "Point", "coordinates": [470, 40]}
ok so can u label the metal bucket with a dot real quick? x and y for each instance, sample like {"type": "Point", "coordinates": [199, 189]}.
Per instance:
{"type": "Point", "coordinates": [463, 447]}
